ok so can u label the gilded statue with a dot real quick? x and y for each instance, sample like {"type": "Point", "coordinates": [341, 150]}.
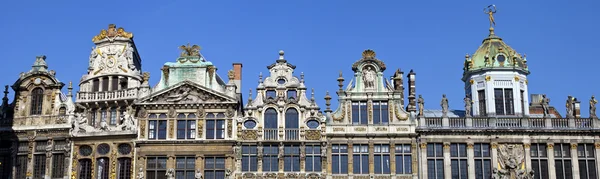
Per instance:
{"type": "Point", "coordinates": [112, 32]}
{"type": "Point", "coordinates": [188, 50]}
{"type": "Point", "coordinates": [593, 103]}
{"type": "Point", "coordinates": [491, 10]}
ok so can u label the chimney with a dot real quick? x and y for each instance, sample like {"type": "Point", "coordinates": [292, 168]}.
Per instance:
{"type": "Point", "coordinates": [412, 94]}
{"type": "Point", "coordinates": [237, 79]}
{"type": "Point", "coordinates": [577, 108]}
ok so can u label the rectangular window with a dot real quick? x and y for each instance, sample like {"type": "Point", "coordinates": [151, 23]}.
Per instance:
{"type": "Point", "coordinates": [359, 112]}
{"type": "Point", "coordinates": [562, 161]}
{"type": "Point", "coordinates": [105, 84]}
{"type": "Point", "coordinates": [380, 112]}
{"type": "Point", "coordinates": [58, 165]}
{"type": "Point", "coordinates": [103, 115]}
{"type": "Point", "coordinates": [95, 85]}
{"type": "Point", "coordinates": [382, 158]}
{"type": "Point", "coordinates": [39, 166]}
{"type": "Point", "coordinates": [270, 159]}
{"type": "Point", "coordinates": [403, 159]}
{"type": "Point", "coordinates": [40, 146]}
{"type": "Point", "coordinates": [587, 161]}
{"type": "Point", "coordinates": [539, 160]}
{"type": "Point", "coordinates": [504, 101]}
{"type": "Point", "coordinates": [114, 84]}
{"type": "Point", "coordinates": [215, 129]}
{"type": "Point", "coordinates": [214, 167]}
{"type": "Point", "coordinates": [102, 168]}
{"type": "Point", "coordinates": [482, 104]}
{"type": "Point", "coordinates": [124, 171]}
{"type": "Point", "coordinates": [186, 129]}
{"type": "Point", "coordinates": [435, 161]}
{"type": "Point", "coordinates": [291, 158]}
{"type": "Point", "coordinates": [312, 161]}
{"type": "Point", "coordinates": [185, 167]}
{"type": "Point", "coordinates": [21, 166]}
{"type": "Point", "coordinates": [156, 167]}
{"type": "Point", "coordinates": [249, 158]}
{"type": "Point", "coordinates": [157, 129]}
{"type": "Point", "coordinates": [113, 116]}
{"type": "Point", "coordinates": [483, 161]}
{"type": "Point", "coordinates": [339, 159]}
{"type": "Point", "coordinates": [458, 159]}
{"type": "Point", "coordinates": [85, 169]}
{"type": "Point", "coordinates": [93, 118]}
{"type": "Point", "coordinates": [361, 159]}
{"type": "Point", "coordinates": [271, 94]}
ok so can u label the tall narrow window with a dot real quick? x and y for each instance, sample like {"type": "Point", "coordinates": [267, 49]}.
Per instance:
{"type": "Point", "coordinates": [39, 166]}
{"type": "Point", "coordinates": [504, 101]}
{"type": "Point", "coordinates": [587, 161]}
{"type": "Point", "coordinates": [156, 167]}
{"type": "Point", "coordinates": [380, 112]}
{"type": "Point", "coordinates": [58, 165]}
{"type": "Point", "coordinates": [157, 128]}
{"type": "Point", "coordinates": [481, 100]}
{"type": "Point", "coordinates": [458, 159]}
{"type": "Point", "coordinates": [162, 126]}
{"type": "Point", "coordinates": [435, 161]}
{"type": "Point", "coordinates": [124, 171]}
{"type": "Point", "coordinates": [185, 167]}
{"type": "Point", "coordinates": [113, 116]}
{"type": "Point", "coordinates": [105, 84]}
{"type": "Point", "coordinates": [114, 86]}
{"type": "Point", "coordinates": [21, 166]}
{"type": "Point", "coordinates": [123, 83]}
{"type": "Point", "coordinates": [93, 118]}
{"type": "Point", "coordinates": [312, 162]}
{"type": "Point", "coordinates": [5, 170]}
{"type": "Point", "coordinates": [85, 169]}
{"type": "Point", "coordinates": [95, 85]}
{"type": "Point", "coordinates": [291, 158]}
{"type": "Point", "coordinates": [339, 159]}
{"type": "Point", "coordinates": [102, 168]}
{"type": "Point", "coordinates": [215, 126]}
{"type": "Point", "coordinates": [186, 128]}
{"type": "Point", "coordinates": [361, 158]}
{"type": "Point", "coordinates": [270, 160]}
{"type": "Point", "coordinates": [382, 158]}
{"type": "Point", "coordinates": [359, 112]}
{"type": "Point", "coordinates": [403, 159]}
{"type": "Point", "coordinates": [483, 161]}
{"type": "Point", "coordinates": [270, 131]}
{"type": "Point", "coordinates": [291, 124]}
{"type": "Point", "coordinates": [522, 102]}
{"type": "Point", "coordinates": [249, 158]}
{"type": "Point", "coordinates": [214, 167]}
{"type": "Point", "coordinates": [562, 161]}
{"type": "Point", "coordinates": [539, 160]}
{"type": "Point", "coordinates": [37, 100]}
{"type": "Point", "coordinates": [103, 115]}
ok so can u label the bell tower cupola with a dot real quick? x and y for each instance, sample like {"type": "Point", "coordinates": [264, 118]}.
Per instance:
{"type": "Point", "coordinates": [495, 77]}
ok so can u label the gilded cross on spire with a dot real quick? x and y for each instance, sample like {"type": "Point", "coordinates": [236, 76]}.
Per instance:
{"type": "Point", "coordinates": [490, 11]}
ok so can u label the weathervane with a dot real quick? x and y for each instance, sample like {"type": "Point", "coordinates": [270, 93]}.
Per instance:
{"type": "Point", "coordinates": [491, 10]}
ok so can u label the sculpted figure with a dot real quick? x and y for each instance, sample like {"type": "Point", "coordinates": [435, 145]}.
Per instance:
{"type": "Point", "coordinates": [140, 174]}
{"type": "Point", "coordinates": [228, 174]}
{"type": "Point", "coordinates": [104, 125]}
{"type": "Point", "coordinates": [593, 103]}
{"type": "Point", "coordinates": [369, 77]}
{"type": "Point", "coordinates": [444, 104]}
{"type": "Point", "coordinates": [569, 106]}
{"type": "Point", "coordinates": [198, 174]}
{"type": "Point", "coordinates": [468, 104]}
{"type": "Point", "coordinates": [180, 96]}
{"type": "Point", "coordinates": [127, 120]}
{"type": "Point", "coordinates": [421, 103]}
{"type": "Point", "coordinates": [545, 105]}
{"type": "Point", "coordinates": [170, 173]}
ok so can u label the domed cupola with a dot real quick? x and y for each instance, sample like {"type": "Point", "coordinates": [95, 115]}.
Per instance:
{"type": "Point", "coordinates": [495, 77]}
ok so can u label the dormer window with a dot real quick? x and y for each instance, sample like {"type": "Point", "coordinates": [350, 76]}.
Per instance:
{"type": "Point", "coordinates": [501, 58]}
{"type": "Point", "coordinates": [271, 94]}
{"type": "Point", "coordinates": [291, 94]}
{"type": "Point", "coordinates": [37, 99]}
{"type": "Point", "coordinates": [359, 112]}
{"type": "Point", "coordinates": [504, 101]}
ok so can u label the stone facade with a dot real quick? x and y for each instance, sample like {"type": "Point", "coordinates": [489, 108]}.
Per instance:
{"type": "Point", "coordinates": [194, 124]}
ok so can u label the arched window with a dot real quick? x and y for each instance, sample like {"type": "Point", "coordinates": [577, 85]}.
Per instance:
{"type": "Point", "coordinates": [124, 168]}
{"type": "Point", "coordinates": [291, 118]}
{"type": "Point", "coordinates": [62, 111]}
{"type": "Point", "coordinates": [271, 118]}
{"type": "Point", "coordinates": [37, 99]}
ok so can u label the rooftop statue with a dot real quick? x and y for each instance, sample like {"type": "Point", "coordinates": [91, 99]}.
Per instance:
{"type": "Point", "coordinates": [569, 106]}
{"type": "Point", "coordinates": [545, 105]}
{"type": "Point", "coordinates": [421, 103]}
{"type": "Point", "coordinates": [188, 50]}
{"type": "Point", "coordinates": [468, 105]}
{"type": "Point", "coordinates": [444, 104]}
{"type": "Point", "coordinates": [369, 77]}
{"type": "Point", "coordinates": [491, 10]}
{"type": "Point", "coordinates": [593, 103]}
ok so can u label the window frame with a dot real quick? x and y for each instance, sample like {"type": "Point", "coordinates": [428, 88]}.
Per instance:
{"type": "Point", "coordinates": [482, 104]}
{"type": "Point", "coordinates": [360, 158]}
{"type": "Point", "coordinates": [124, 168]}
{"type": "Point", "coordinates": [213, 129]}
{"type": "Point", "coordinates": [158, 170]}
{"type": "Point", "coordinates": [400, 154]}
{"type": "Point", "coordinates": [562, 156]}
{"type": "Point", "coordinates": [504, 101]}
{"type": "Point", "coordinates": [37, 101]}
{"type": "Point", "coordinates": [312, 160]}
{"type": "Point", "coordinates": [586, 153]}
{"type": "Point", "coordinates": [360, 113]}
{"type": "Point", "coordinates": [538, 159]}
{"type": "Point", "coordinates": [458, 154]}
{"type": "Point", "coordinates": [39, 166]}
{"type": "Point", "coordinates": [339, 152]}
{"type": "Point", "coordinates": [106, 170]}
{"type": "Point", "coordinates": [270, 151]}
{"type": "Point", "coordinates": [249, 158]}
{"type": "Point", "coordinates": [187, 168]}
{"type": "Point", "coordinates": [380, 152]}
{"type": "Point", "coordinates": [435, 154]}
{"type": "Point", "coordinates": [291, 158]}
{"type": "Point", "coordinates": [480, 158]}
{"type": "Point", "coordinates": [208, 170]}
{"type": "Point", "coordinates": [85, 168]}
{"type": "Point", "coordinates": [189, 126]}
{"type": "Point", "coordinates": [381, 113]}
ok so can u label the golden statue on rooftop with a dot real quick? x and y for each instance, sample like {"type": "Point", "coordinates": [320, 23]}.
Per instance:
{"type": "Point", "coordinates": [190, 50]}
{"type": "Point", "coordinates": [491, 10]}
{"type": "Point", "coordinates": [111, 33]}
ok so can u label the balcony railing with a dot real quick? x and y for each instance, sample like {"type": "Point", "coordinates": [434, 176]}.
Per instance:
{"type": "Point", "coordinates": [292, 134]}
{"type": "Point", "coordinates": [509, 123]}
{"type": "Point", "coordinates": [270, 134]}
{"type": "Point", "coordinates": [39, 120]}
{"type": "Point", "coordinates": [130, 93]}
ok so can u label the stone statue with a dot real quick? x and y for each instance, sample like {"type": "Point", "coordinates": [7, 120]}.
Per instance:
{"type": "Point", "coordinates": [569, 106]}
{"type": "Point", "coordinates": [127, 120]}
{"type": "Point", "coordinates": [228, 174]}
{"type": "Point", "coordinates": [140, 174]}
{"type": "Point", "coordinates": [80, 124]}
{"type": "Point", "coordinates": [421, 103]}
{"type": "Point", "coordinates": [369, 77]}
{"type": "Point", "coordinates": [67, 147]}
{"type": "Point", "coordinates": [184, 92]}
{"type": "Point", "coordinates": [237, 149]}
{"type": "Point", "coordinates": [593, 103]}
{"type": "Point", "coordinates": [198, 174]}
{"type": "Point", "coordinates": [545, 105]}
{"type": "Point", "coordinates": [444, 104]}
{"type": "Point", "coordinates": [468, 104]}
{"type": "Point", "coordinates": [511, 158]}
{"type": "Point", "coordinates": [281, 150]}
{"type": "Point", "coordinates": [170, 173]}
{"type": "Point", "coordinates": [104, 125]}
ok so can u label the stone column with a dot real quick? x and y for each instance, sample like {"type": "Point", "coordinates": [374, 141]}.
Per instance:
{"type": "Point", "coordinates": [371, 157]}
{"type": "Point", "coordinates": [494, 154]}
{"type": "Point", "coordinates": [100, 84]}
{"type": "Point", "coordinates": [551, 169]}
{"type": "Point", "coordinates": [110, 80]}
{"type": "Point", "coordinates": [574, 160]}
{"type": "Point", "coordinates": [470, 160]}
{"type": "Point", "coordinates": [350, 158]}
{"type": "Point", "coordinates": [302, 157]}
{"type": "Point", "coordinates": [392, 158]}
{"type": "Point", "coordinates": [447, 161]}
{"type": "Point", "coordinates": [423, 164]}
{"type": "Point", "coordinates": [527, 148]}
{"type": "Point", "coordinates": [30, 157]}
{"type": "Point", "coordinates": [259, 151]}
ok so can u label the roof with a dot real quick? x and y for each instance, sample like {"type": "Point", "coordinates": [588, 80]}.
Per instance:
{"type": "Point", "coordinates": [438, 113]}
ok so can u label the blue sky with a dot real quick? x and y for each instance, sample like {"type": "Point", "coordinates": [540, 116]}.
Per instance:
{"type": "Point", "coordinates": [319, 37]}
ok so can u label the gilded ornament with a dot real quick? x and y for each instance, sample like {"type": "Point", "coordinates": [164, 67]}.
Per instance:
{"type": "Point", "coordinates": [470, 145]}
{"type": "Point", "coordinates": [488, 78]}
{"type": "Point", "coordinates": [249, 134]}
{"type": "Point", "coordinates": [494, 145]}
{"type": "Point", "coordinates": [341, 117]}
{"type": "Point", "coordinates": [111, 33]}
{"type": "Point", "coordinates": [471, 81]}
{"type": "Point", "coordinates": [527, 146]}
{"type": "Point", "coordinates": [423, 145]}
{"type": "Point", "coordinates": [229, 127]}
{"type": "Point", "coordinates": [550, 146]}
{"type": "Point", "coordinates": [573, 146]}
{"type": "Point", "coordinates": [313, 135]}
{"type": "Point", "coordinates": [597, 145]}
{"type": "Point", "coordinates": [446, 146]}
{"type": "Point", "coordinates": [368, 53]}
{"type": "Point", "coordinates": [230, 74]}
{"type": "Point", "coordinates": [142, 128]}
{"type": "Point", "coordinates": [188, 50]}
{"type": "Point", "coordinates": [200, 127]}
{"type": "Point", "coordinates": [516, 78]}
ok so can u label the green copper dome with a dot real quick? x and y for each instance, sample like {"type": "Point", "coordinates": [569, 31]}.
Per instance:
{"type": "Point", "coordinates": [494, 54]}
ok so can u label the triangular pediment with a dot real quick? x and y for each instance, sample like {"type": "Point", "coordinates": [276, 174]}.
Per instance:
{"type": "Point", "coordinates": [186, 92]}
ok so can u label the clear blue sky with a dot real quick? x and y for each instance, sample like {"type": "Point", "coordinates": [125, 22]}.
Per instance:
{"type": "Point", "coordinates": [319, 37]}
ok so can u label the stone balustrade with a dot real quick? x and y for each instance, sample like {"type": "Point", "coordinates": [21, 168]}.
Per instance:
{"type": "Point", "coordinates": [131, 93]}
{"type": "Point", "coordinates": [40, 120]}
{"type": "Point", "coordinates": [509, 123]}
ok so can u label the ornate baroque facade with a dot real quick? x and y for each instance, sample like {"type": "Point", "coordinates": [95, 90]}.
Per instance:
{"type": "Point", "coordinates": [194, 124]}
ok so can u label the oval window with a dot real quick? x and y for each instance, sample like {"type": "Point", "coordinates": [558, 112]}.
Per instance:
{"type": "Point", "coordinates": [281, 81]}
{"type": "Point", "coordinates": [501, 58]}
{"type": "Point", "coordinates": [312, 124]}
{"type": "Point", "coordinates": [103, 149]}
{"type": "Point", "coordinates": [85, 150]}
{"type": "Point", "coordinates": [249, 124]}
{"type": "Point", "coordinates": [124, 149]}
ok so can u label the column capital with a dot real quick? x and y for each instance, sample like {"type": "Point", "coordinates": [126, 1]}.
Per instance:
{"type": "Point", "coordinates": [446, 145]}
{"type": "Point", "coordinates": [470, 145]}
{"type": "Point", "coordinates": [494, 145]}
{"type": "Point", "coordinates": [550, 145]}
{"type": "Point", "coordinates": [573, 145]}
{"type": "Point", "coordinates": [526, 145]}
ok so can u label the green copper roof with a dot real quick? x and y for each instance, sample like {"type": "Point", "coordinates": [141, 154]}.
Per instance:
{"type": "Point", "coordinates": [494, 54]}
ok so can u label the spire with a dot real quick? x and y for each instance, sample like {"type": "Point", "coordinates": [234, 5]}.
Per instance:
{"type": "Point", "coordinates": [250, 97]}
{"type": "Point", "coordinates": [260, 78]}
{"type": "Point", "coordinates": [340, 81]}
{"type": "Point", "coordinates": [70, 88]}
{"type": "Point", "coordinates": [5, 98]}
{"type": "Point", "coordinates": [312, 95]}
{"type": "Point", "coordinates": [301, 77]}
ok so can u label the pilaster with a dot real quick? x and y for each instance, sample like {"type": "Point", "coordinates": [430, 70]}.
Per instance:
{"type": "Point", "coordinates": [392, 158]}
{"type": "Point", "coordinates": [423, 164]}
{"type": "Point", "coordinates": [575, 160]}
{"type": "Point", "coordinates": [551, 169]}
{"type": "Point", "coordinates": [470, 160]}
{"type": "Point", "coordinates": [527, 148]}
{"type": "Point", "coordinates": [447, 161]}
{"type": "Point", "coordinates": [350, 158]}
{"type": "Point", "coordinates": [597, 147]}
{"type": "Point", "coordinates": [494, 154]}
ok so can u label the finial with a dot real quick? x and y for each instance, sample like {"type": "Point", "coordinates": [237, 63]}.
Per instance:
{"type": "Point", "coordinates": [312, 94]}
{"type": "Point", "coordinates": [490, 11]}
{"type": "Point", "coordinates": [70, 85]}
{"type": "Point", "coordinates": [70, 89]}
{"type": "Point", "coordinates": [327, 101]}
{"type": "Point", "coordinates": [301, 77]}
{"type": "Point", "coordinates": [281, 54]}
{"type": "Point", "coordinates": [368, 53]}
{"type": "Point", "coordinates": [340, 81]}
{"type": "Point", "coordinates": [250, 96]}
{"type": "Point", "coordinates": [6, 91]}
{"type": "Point", "coordinates": [260, 78]}
{"type": "Point", "coordinates": [467, 56]}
